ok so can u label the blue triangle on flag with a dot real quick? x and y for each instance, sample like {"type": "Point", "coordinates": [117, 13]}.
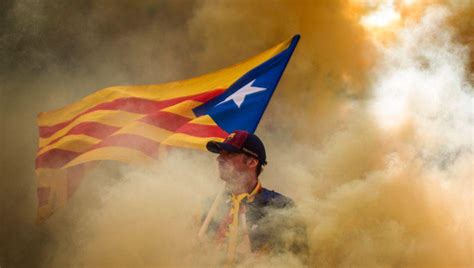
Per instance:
{"type": "Point", "coordinates": [242, 105]}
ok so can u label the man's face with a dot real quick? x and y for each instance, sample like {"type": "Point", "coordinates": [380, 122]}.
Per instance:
{"type": "Point", "coordinates": [233, 167]}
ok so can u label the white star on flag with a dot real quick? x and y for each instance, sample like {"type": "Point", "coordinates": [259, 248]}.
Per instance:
{"type": "Point", "coordinates": [239, 96]}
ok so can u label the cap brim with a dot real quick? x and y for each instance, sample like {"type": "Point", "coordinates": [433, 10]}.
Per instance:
{"type": "Point", "coordinates": [218, 147]}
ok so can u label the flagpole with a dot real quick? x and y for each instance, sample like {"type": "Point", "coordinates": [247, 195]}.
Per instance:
{"type": "Point", "coordinates": [211, 213]}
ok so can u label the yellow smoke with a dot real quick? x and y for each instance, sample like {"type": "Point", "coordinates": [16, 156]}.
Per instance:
{"type": "Point", "coordinates": [358, 147]}
{"type": "Point", "coordinates": [369, 131]}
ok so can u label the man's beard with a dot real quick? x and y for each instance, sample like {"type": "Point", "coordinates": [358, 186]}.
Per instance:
{"type": "Point", "coordinates": [229, 174]}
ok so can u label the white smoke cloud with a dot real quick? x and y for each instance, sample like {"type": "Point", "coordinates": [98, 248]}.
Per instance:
{"type": "Point", "coordinates": [423, 81]}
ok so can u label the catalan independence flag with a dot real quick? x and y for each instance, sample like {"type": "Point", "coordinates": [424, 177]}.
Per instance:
{"type": "Point", "coordinates": [131, 123]}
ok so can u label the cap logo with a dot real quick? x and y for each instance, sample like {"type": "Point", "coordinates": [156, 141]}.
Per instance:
{"type": "Point", "coordinates": [230, 137]}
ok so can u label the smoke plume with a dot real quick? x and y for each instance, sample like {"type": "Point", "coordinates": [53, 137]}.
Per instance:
{"type": "Point", "coordinates": [370, 130]}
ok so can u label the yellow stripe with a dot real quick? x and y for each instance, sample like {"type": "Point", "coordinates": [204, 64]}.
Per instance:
{"type": "Point", "coordinates": [43, 213]}
{"type": "Point", "coordinates": [219, 79]}
{"type": "Point", "coordinates": [80, 143]}
{"type": "Point", "coordinates": [75, 143]}
{"type": "Point", "coordinates": [184, 108]}
{"type": "Point", "coordinates": [204, 120]}
{"type": "Point", "coordinates": [187, 141]}
{"type": "Point", "coordinates": [46, 176]}
{"type": "Point", "coordinates": [111, 118]}
{"type": "Point", "coordinates": [121, 154]}
{"type": "Point", "coordinates": [146, 130]}
{"type": "Point", "coordinates": [56, 181]}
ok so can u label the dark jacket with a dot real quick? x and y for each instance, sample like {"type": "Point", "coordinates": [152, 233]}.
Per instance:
{"type": "Point", "coordinates": [273, 223]}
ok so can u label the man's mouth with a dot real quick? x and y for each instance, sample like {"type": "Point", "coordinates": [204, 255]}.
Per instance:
{"type": "Point", "coordinates": [223, 166]}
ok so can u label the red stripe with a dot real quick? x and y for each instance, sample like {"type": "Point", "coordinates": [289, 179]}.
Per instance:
{"type": "Point", "coordinates": [165, 120]}
{"type": "Point", "coordinates": [146, 146]}
{"type": "Point", "coordinates": [92, 129]}
{"type": "Point", "coordinates": [202, 130]}
{"type": "Point", "coordinates": [160, 119]}
{"type": "Point", "coordinates": [43, 195]}
{"type": "Point", "coordinates": [55, 158]}
{"type": "Point", "coordinates": [135, 105]}
{"type": "Point", "coordinates": [45, 132]}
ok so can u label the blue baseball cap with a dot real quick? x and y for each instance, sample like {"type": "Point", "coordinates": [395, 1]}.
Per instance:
{"type": "Point", "coordinates": [240, 141]}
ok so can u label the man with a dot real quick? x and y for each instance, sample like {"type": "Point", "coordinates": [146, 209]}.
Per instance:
{"type": "Point", "coordinates": [252, 218]}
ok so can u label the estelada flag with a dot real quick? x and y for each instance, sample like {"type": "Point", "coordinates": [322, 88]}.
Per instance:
{"type": "Point", "coordinates": [131, 123]}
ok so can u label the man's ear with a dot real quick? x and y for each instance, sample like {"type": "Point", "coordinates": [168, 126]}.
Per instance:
{"type": "Point", "coordinates": [252, 162]}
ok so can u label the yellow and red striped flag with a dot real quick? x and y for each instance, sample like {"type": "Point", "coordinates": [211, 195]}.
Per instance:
{"type": "Point", "coordinates": [130, 123]}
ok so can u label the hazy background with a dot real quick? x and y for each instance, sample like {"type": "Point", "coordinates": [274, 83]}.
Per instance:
{"type": "Point", "coordinates": [370, 129]}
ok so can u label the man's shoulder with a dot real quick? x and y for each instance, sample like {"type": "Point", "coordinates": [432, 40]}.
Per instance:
{"type": "Point", "coordinates": [274, 199]}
